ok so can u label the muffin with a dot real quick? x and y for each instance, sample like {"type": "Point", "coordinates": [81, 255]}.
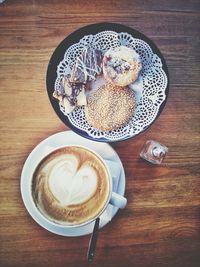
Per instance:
{"type": "Point", "coordinates": [121, 65]}
{"type": "Point", "coordinates": [110, 107]}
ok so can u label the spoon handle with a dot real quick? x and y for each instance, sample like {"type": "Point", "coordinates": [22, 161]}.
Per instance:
{"type": "Point", "coordinates": [93, 240]}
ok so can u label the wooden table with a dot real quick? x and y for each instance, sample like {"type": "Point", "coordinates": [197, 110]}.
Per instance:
{"type": "Point", "coordinates": [161, 224]}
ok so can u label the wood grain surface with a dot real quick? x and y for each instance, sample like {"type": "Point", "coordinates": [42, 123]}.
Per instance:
{"type": "Point", "coordinates": [161, 224]}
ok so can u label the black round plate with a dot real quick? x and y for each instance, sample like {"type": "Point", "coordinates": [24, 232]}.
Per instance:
{"type": "Point", "coordinates": [75, 37]}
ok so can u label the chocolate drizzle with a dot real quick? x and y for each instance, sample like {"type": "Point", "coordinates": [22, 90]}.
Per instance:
{"type": "Point", "coordinates": [76, 89]}
{"type": "Point", "coordinates": [87, 66]}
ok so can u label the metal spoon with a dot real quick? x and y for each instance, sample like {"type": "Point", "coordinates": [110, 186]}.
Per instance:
{"type": "Point", "coordinates": [93, 240]}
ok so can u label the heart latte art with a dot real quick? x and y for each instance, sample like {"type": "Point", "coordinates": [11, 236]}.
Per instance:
{"type": "Point", "coordinates": [71, 185]}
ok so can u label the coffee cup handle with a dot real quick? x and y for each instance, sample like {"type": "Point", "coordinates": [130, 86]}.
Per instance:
{"type": "Point", "coordinates": [118, 200]}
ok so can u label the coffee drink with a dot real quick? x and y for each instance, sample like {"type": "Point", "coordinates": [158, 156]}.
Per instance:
{"type": "Point", "coordinates": [71, 185]}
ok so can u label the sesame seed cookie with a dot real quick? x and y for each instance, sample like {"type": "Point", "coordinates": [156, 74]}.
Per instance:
{"type": "Point", "coordinates": [110, 107]}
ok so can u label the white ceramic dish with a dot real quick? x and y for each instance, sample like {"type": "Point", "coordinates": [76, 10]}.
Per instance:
{"type": "Point", "coordinates": [61, 139]}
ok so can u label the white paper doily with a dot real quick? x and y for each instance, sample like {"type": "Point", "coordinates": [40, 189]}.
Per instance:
{"type": "Point", "coordinates": [149, 88]}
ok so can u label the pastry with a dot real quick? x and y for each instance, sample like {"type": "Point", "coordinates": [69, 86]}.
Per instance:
{"type": "Point", "coordinates": [71, 92]}
{"type": "Point", "coordinates": [87, 66]}
{"type": "Point", "coordinates": [110, 107]}
{"type": "Point", "coordinates": [121, 65]}
{"type": "Point", "coordinates": [70, 95]}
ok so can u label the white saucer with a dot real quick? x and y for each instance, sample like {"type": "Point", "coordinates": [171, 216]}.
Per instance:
{"type": "Point", "coordinates": [54, 141]}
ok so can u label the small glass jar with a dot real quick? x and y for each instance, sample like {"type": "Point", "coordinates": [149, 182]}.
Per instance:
{"type": "Point", "coordinates": [153, 152]}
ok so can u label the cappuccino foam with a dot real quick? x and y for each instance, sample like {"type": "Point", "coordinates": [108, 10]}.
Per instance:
{"type": "Point", "coordinates": [71, 185]}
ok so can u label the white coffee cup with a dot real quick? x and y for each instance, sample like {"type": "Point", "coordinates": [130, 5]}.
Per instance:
{"type": "Point", "coordinates": [112, 198]}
